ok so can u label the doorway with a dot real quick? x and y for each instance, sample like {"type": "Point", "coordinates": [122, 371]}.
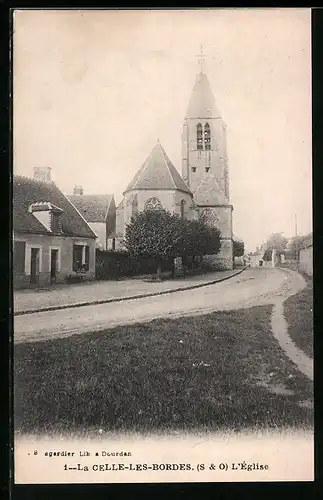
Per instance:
{"type": "Point", "coordinates": [34, 266]}
{"type": "Point", "coordinates": [53, 265]}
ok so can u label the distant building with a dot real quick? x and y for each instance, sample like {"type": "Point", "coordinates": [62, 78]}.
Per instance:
{"type": "Point", "coordinates": [51, 239]}
{"type": "Point", "coordinates": [100, 213]}
{"type": "Point", "coordinates": [306, 256]}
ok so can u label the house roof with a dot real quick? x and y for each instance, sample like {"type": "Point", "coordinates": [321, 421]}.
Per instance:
{"type": "Point", "coordinates": [28, 191]}
{"type": "Point", "coordinates": [307, 242]}
{"type": "Point", "coordinates": [94, 208]}
{"type": "Point", "coordinates": [158, 173]}
{"type": "Point", "coordinates": [202, 103]}
{"type": "Point", "coordinates": [209, 192]}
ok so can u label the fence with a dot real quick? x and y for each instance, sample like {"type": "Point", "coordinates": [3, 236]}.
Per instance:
{"type": "Point", "coordinates": [113, 265]}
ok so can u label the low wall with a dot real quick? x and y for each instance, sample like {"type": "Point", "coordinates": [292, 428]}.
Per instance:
{"type": "Point", "coordinates": [306, 260]}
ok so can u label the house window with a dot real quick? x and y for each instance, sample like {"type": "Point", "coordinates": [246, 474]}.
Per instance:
{"type": "Point", "coordinates": [207, 169]}
{"type": "Point", "coordinates": [81, 258]}
{"type": "Point", "coordinates": [193, 169]}
{"type": "Point", "coordinates": [19, 253]}
{"type": "Point", "coordinates": [199, 137]}
{"type": "Point", "coordinates": [153, 204]}
{"type": "Point", "coordinates": [207, 136]}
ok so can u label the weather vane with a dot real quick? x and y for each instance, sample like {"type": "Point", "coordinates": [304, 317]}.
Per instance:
{"type": "Point", "coordinates": [201, 59]}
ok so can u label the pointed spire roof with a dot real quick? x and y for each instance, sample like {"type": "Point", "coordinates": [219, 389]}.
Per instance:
{"type": "Point", "coordinates": [202, 103]}
{"type": "Point", "coordinates": [209, 192]}
{"type": "Point", "coordinates": [158, 173]}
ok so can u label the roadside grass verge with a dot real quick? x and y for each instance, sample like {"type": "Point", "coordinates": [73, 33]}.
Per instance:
{"type": "Point", "coordinates": [223, 371]}
{"type": "Point", "coordinates": [298, 311]}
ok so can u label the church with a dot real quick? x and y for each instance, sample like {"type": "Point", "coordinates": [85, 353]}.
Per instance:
{"type": "Point", "coordinates": [202, 191]}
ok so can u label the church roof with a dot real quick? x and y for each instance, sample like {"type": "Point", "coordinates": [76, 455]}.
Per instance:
{"type": "Point", "coordinates": [202, 103]}
{"type": "Point", "coordinates": [209, 192]}
{"type": "Point", "coordinates": [158, 173]}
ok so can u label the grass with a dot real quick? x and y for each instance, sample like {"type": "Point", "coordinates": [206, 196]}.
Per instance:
{"type": "Point", "coordinates": [298, 311]}
{"type": "Point", "coordinates": [218, 372]}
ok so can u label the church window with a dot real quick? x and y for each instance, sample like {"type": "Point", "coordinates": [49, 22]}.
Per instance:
{"type": "Point", "coordinates": [193, 169]}
{"type": "Point", "coordinates": [207, 136]}
{"type": "Point", "coordinates": [135, 205]}
{"type": "Point", "coordinates": [210, 217]}
{"type": "Point", "coordinates": [183, 203]}
{"type": "Point", "coordinates": [199, 137]}
{"type": "Point", "coordinates": [153, 204]}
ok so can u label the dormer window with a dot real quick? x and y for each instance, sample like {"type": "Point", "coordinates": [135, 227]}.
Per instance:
{"type": "Point", "coordinates": [48, 215]}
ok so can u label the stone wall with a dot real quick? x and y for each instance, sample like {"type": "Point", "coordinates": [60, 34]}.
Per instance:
{"type": "Point", "coordinates": [222, 260]}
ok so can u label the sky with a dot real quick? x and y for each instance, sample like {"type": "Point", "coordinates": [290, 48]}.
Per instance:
{"type": "Point", "coordinates": [93, 90]}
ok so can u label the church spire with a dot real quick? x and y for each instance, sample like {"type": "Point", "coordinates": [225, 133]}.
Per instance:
{"type": "Point", "coordinates": [201, 59]}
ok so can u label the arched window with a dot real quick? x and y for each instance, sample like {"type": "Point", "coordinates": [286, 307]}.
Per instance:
{"type": "Point", "coordinates": [183, 206]}
{"type": "Point", "coordinates": [135, 205]}
{"type": "Point", "coordinates": [207, 136]}
{"type": "Point", "coordinates": [153, 204]}
{"type": "Point", "coordinates": [199, 137]}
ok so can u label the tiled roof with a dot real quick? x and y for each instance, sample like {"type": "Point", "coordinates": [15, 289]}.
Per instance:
{"type": "Point", "coordinates": [28, 191]}
{"type": "Point", "coordinates": [209, 192]}
{"type": "Point", "coordinates": [202, 103]}
{"type": "Point", "coordinates": [158, 173]}
{"type": "Point", "coordinates": [94, 208]}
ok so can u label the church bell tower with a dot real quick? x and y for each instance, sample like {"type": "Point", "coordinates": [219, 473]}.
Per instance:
{"type": "Point", "coordinates": [205, 162]}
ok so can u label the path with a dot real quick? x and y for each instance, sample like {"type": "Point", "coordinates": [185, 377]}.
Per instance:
{"type": "Point", "coordinates": [252, 287]}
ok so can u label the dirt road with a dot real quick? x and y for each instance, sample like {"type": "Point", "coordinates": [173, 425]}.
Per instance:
{"type": "Point", "coordinates": [252, 287]}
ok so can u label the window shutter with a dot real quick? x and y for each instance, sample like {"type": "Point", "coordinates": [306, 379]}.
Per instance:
{"type": "Point", "coordinates": [75, 258]}
{"type": "Point", "coordinates": [19, 256]}
{"type": "Point", "coordinates": [87, 258]}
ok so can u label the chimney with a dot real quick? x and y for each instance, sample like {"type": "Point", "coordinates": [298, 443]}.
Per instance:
{"type": "Point", "coordinates": [42, 174]}
{"type": "Point", "coordinates": [78, 190]}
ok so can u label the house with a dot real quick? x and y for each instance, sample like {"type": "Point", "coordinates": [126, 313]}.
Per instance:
{"type": "Point", "coordinates": [51, 239]}
{"type": "Point", "coordinates": [100, 213]}
{"type": "Point", "coordinates": [306, 255]}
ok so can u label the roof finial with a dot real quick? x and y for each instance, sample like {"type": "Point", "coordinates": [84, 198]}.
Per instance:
{"type": "Point", "coordinates": [201, 59]}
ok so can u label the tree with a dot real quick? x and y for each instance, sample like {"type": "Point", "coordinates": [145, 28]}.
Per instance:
{"type": "Point", "coordinates": [238, 248]}
{"type": "Point", "coordinates": [295, 244]}
{"type": "Point", "coordinates": [276, 241]}
{"type": "Point", "coordinates": [160, 235]}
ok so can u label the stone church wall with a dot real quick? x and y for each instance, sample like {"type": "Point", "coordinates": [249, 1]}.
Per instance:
{"type": "Point", "coordinates": [223, 260]}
